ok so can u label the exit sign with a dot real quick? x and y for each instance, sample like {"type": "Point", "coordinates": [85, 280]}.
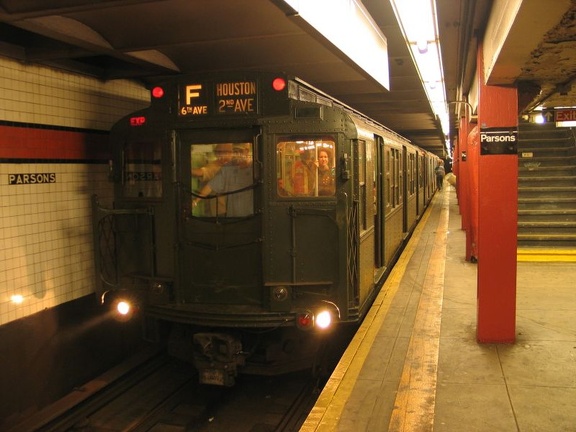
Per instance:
{"type": "Point", "coordinates": [559, 115]}
{"type": "Point", "coordinates": [565, 115]}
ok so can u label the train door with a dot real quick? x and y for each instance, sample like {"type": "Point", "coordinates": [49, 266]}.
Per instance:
{"type": "Point", "coordinates": [304, 242]}
{"type": "Point", "coordinates": [379, 205]}
{"type": "Point", "coordinates": [219, 229]}
{"type": "Point", "coordinates": [405, 177]}
{"type": "Point", "coordinates": [420, 183]}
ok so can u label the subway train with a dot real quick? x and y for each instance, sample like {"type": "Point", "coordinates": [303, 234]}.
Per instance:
{"type": "Point", "coordinates": [252, 215]}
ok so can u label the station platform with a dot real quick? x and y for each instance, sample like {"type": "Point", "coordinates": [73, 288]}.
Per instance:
{"type": "Point", "coordinates": [415, 364]}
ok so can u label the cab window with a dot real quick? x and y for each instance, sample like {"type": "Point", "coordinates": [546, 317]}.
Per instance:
{"type": "Point", "coordinates": [142, 170]}
{"type": "Point", "coordinates": [222, 179]}
{"type": "Point", "coordinates": [305, 167]}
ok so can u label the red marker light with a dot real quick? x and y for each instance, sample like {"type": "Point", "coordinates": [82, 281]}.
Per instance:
{"type": "Point", "coordinates": [279, 84]}
{"type": "Point", "coordinates": [157, 92]}
{"type": "Point", "coordinates": [304, 320]}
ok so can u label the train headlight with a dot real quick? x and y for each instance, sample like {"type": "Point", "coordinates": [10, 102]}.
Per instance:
{"type": "Point", "coordinates": [120, 306]}
{"type": "Point", "coordinates": [308, 320]}
{"type": "Point", "coordinates": [123, 307]}
{"type": "Point", "coordinates": [323, 319]}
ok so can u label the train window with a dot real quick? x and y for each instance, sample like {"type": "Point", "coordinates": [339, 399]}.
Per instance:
{"type": "Point", "coordinates": [400, 178]}
{"type": "Point", "coordinates": [420, 171]}
{"type": "Point", "coordinates": [305, 167]}
{"type": "Point", "coordinates": [395, 178]}
{"type": "Point", "coordinates": [222, 179]}
{"type": "Point", "coordinates": [411, 174]}
{"type": "Point", "coordinates": [361, 158]}
{"type": "Point", "coordinates": [388, 178]}
{"type": "Point", "coordinates": [142, 170]}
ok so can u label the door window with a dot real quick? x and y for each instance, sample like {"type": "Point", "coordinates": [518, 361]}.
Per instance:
{"type": "Point", "coordinates": [305, 167]}
{"type": "Point", "coordinates": [222, 179]}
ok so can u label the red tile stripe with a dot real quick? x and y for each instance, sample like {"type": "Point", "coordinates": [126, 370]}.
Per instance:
{"type": "Point", "coordinates": [18, 142]}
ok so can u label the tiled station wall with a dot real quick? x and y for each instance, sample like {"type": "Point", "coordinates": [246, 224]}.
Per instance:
{"type": "Point", "coordinates": [53, 156]}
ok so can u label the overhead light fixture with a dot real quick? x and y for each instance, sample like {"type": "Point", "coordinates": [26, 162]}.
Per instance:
{"type": "Point", "coordinates": [348, 26]}
{"type": "Point", "coordinates": [419, 24]}
{"type": "Point", "coordinates": [422, 45]}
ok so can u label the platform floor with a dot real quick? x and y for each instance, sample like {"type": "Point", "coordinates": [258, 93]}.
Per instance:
{"type": "Point", "coordinates": [415, 364]}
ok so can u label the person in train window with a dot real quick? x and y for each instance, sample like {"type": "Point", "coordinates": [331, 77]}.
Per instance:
{"type": "Point", "coordinates": [234, 181]}
{"type": "Point", "coordinates": [440, 172]}
{"type": "Point", "coordinates": [223, 153]}
{"type": "Point", "coordinates": [300, 176]}
{"type": "Point", "coordinates": [326, 183]}
{"type": "Point", "coordinates": [222, 156]}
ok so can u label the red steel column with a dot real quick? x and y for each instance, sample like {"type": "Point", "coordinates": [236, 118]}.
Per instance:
{"type": "Point", "coordinates": [456, 162]}
{"type": "Point", "coordinates": [497, 216]}
{"type": "Point", "coordinates": [462, 180]}
{"type": "Point", "coordinates": [473, 143]}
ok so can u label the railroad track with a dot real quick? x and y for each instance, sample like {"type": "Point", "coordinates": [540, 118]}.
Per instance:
{"type": "Point", "coordinates": [153, 392]}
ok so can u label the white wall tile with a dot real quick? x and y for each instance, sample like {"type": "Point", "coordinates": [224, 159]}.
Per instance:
{"type": "Point", "coordinates": [46, 252]}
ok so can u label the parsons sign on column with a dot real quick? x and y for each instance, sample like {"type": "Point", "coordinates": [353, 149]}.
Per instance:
{"type": "Point", "coordinates": [499, 141]}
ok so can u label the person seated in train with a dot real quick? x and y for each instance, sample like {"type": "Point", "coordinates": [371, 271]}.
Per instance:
{"type": "Point", "coordinates": [233, 180]}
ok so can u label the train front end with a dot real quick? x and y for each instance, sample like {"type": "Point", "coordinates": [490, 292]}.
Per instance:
{"type": "Point", "coordinates": [231, 223]}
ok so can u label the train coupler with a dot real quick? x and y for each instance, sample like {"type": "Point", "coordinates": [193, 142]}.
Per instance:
{"type": "Point", "coordinates": [217, 357]}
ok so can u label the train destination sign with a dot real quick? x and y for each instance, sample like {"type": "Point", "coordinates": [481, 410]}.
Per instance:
{"type": "Point", "coordinates": [498, 141]}
{"type": "Point", "coordinates": [218, 98]}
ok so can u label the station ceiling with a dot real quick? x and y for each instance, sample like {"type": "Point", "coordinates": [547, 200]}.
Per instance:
{"type": "Point", "coordinates": [147, 39]}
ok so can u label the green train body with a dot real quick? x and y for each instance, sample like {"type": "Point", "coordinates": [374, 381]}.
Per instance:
{"type": "Point", "coordinates": [231, 233]}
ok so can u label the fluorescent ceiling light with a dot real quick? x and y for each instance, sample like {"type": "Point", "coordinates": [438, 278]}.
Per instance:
{"type": "Point", "coordinates": [350, 28]}
{"type": "Point", "coordinates": [419, 24]}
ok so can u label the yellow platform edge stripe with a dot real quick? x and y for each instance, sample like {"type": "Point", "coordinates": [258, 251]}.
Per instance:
{"type": "Point", "coordinates": [546, 255]}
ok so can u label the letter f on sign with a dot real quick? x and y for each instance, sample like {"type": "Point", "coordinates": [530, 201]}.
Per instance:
{"type": "Point", "coordinates": [192, 91]}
